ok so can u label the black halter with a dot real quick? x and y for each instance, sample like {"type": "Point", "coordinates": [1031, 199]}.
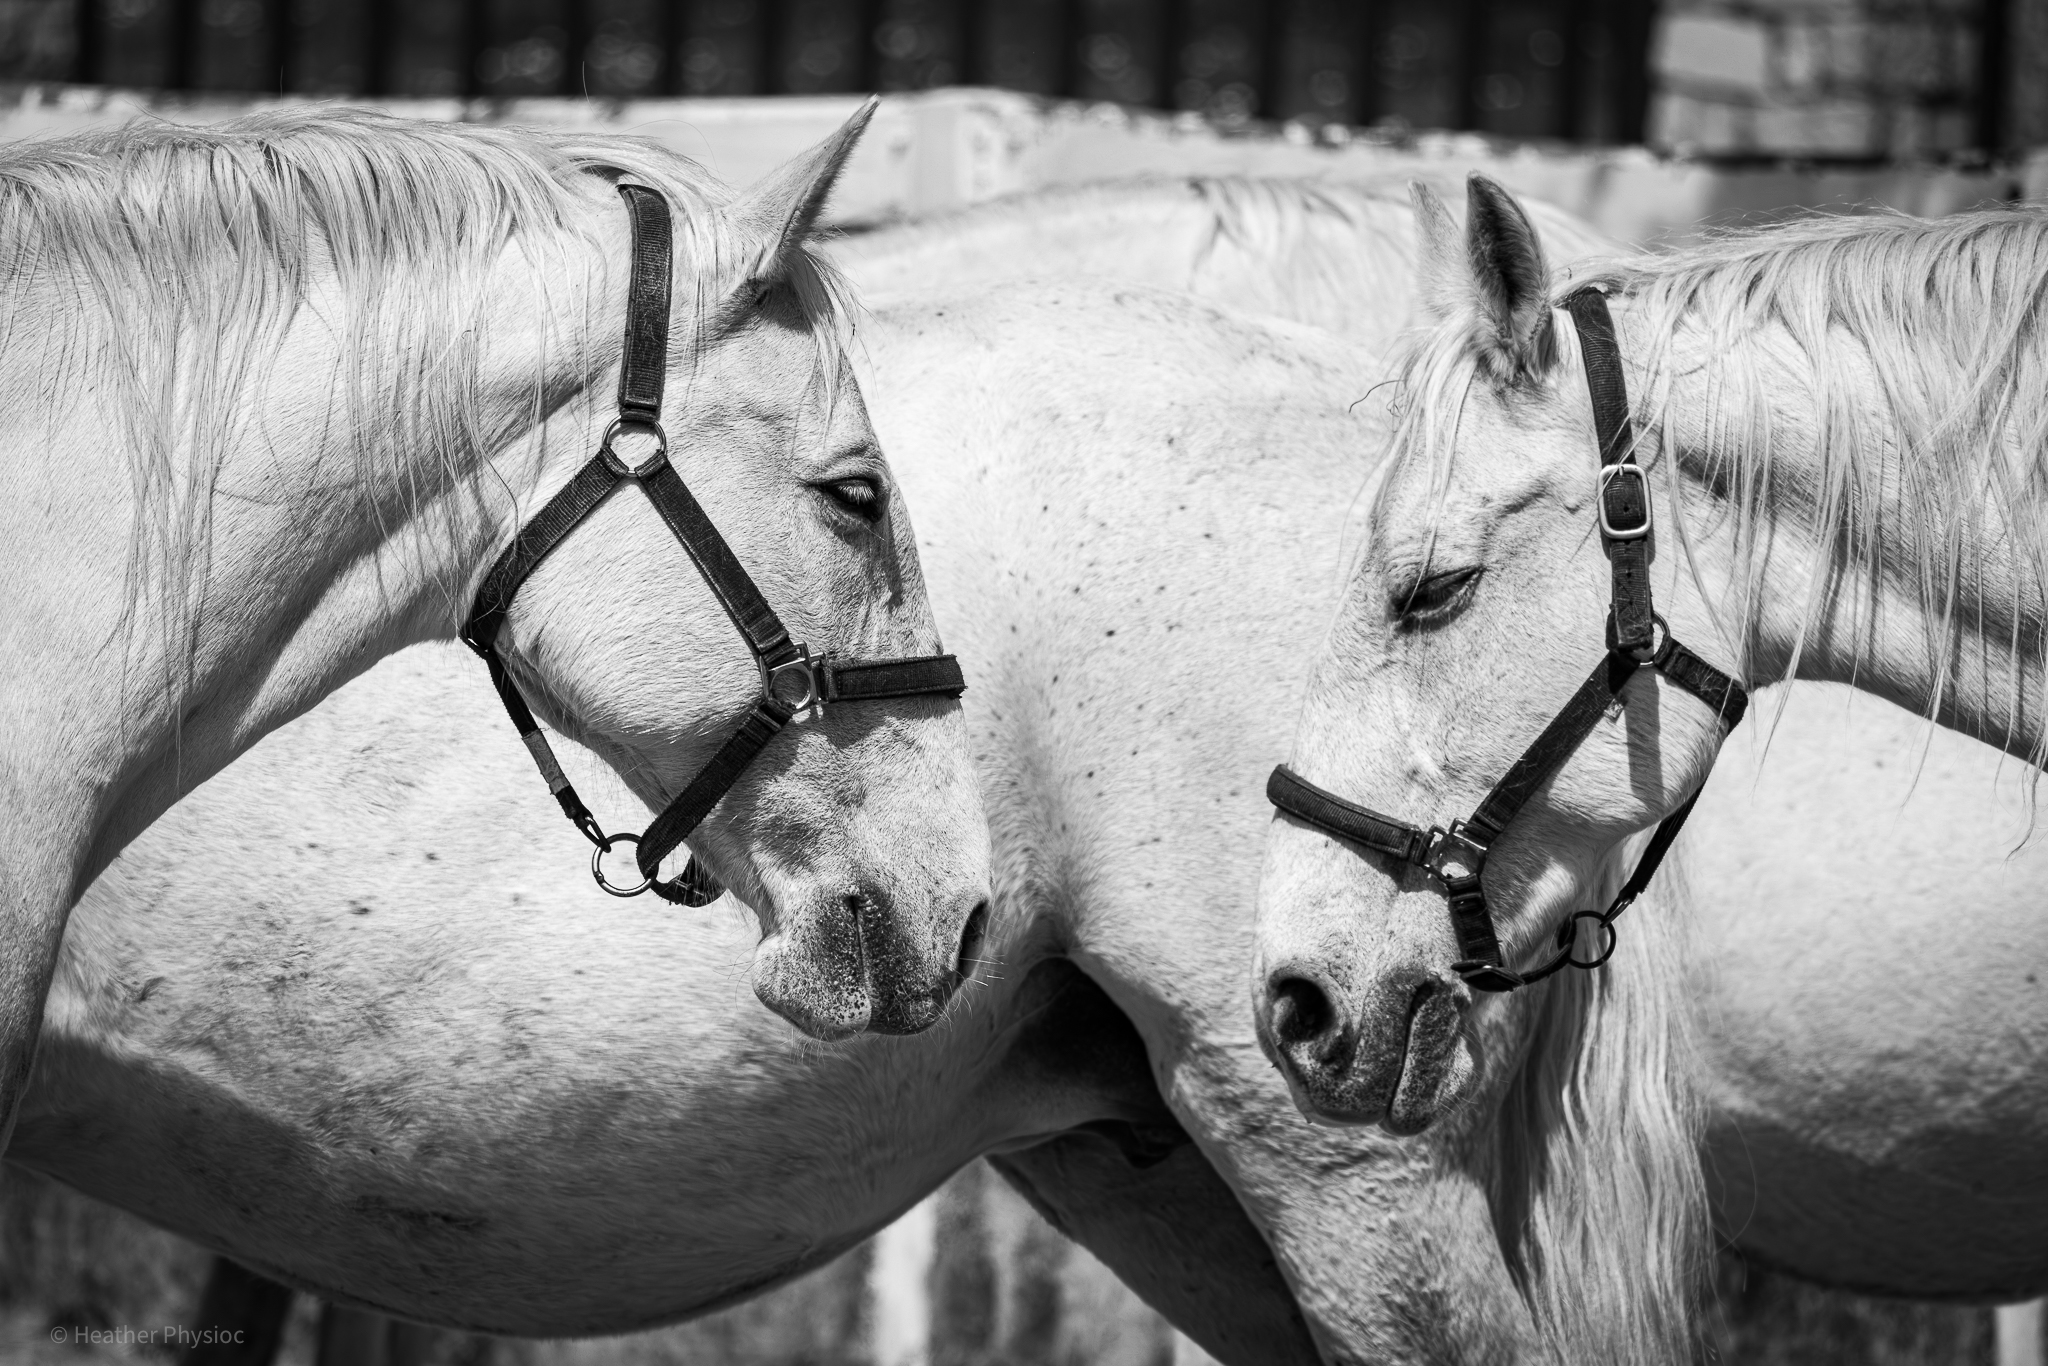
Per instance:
{"type": "Point", "coordinates": [791, 681]}
{"type": "Point", "coordinates": [1456, 856]}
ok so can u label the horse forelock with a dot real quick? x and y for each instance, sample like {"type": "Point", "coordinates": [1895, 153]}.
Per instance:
{"type": "Point", "coordinates": [168, 262]}
{"type": "Point", "coordinates": [1949, 317]}
{"type": "Point", "coordinates": [1434, 375]}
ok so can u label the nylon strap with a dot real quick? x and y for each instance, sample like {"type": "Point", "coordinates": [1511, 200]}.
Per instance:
{"type": "Point", "coordinates": [1653, 856]}
{"type": "Point", "coordinates": [1549, 750]}
{"type": "Point", "coordinates": [1472, 925]}
{"type": "Point", "coordinates": [643, 369]}
{"type": "Point", "coordinates": [563, 512]}
{"type": "Point", "coordinates": [875, 680]}
{"type": "Point", "coordinates": [694, 886]}
{"type": "Point", "coordinates": [1624, 491]}
{"type": "Point", "coordinates": [690, 806]}
{"type": "Point", "coordinates": [729, 582]}
{"type": "Point", "coordinates": [1332, 814]}
{"type": "Point", "coordinates": [537, 745]}
{"type": "Point", "coordinates": [1728, 699]}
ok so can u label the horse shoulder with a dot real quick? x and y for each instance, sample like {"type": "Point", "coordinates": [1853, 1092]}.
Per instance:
{"type": "Point", "coordinates": [1832, 838]}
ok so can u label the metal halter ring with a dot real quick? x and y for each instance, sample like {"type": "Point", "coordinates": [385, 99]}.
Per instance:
{"type": "Point", "coordinates": [1660, 636]}
{"type": "Point", "coordinates": [597, 866]}
{"type": "Point", "coordinates": [1568, 938]}
{"type": "Point", "coordinates": [803, 666]}
{"type": "Point", "coordinates": [620, 465]}
{"type": "Point", "coordinates": [1453, 846]}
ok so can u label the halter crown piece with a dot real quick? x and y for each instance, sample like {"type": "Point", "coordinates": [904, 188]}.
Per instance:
{"type": "Point", "coordinates": [1456, 855]}
{"type": "Point", "coordinates": [791, 680]}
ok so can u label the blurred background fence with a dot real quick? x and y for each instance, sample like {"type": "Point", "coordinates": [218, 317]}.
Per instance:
{"type": "Point", "coordinates": [1649, 118]}
{"type": "Point", "coordinates": [1570, 69]}
{"type": "Point", "coordinates": [1840, 80]}
{"type": "Point", "coordinates": [971, 1278]}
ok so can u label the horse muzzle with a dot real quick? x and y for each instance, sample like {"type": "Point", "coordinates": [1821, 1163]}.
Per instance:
{"type": "Point", "coordinates": [1394, 1055]}
{"type": "Point", "coordinates": [849, 963]}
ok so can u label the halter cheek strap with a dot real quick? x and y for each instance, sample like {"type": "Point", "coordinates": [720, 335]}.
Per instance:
{"type": "Point", "coordinates": [791, 680]}
{"type": "Point", "coordinates": [1455, 855]}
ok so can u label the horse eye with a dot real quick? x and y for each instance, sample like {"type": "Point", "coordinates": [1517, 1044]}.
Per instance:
{"type": "Point", "coordinates": [858, 495]}
{"type": "Point", "coordinates": [1433, 600]}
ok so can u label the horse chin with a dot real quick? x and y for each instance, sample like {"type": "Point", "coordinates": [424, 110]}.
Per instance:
{"type": "Point", "coordinates": [836, 966]}
{"type": "Point", "coordinates": [825, 994]}
{"type": "Point", "coordinates": [1436, 1072]}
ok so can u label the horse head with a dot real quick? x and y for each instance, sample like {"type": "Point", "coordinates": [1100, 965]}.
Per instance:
{"type": "Point", "coordinates": [1471, 616]}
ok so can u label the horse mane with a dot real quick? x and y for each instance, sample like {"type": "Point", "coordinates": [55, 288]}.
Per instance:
{"type": "Point", "coordinates": [1951, 317]}
{"type": "Point", "coordinates": [1591, 1159]}
{"type": "Point", "coordinates": [1331, 253]}
{"type": "Point", "coordinates": [1348, 248]}
{"type": "Point", "coordinates": [1273, 213]}
{"type": "Point", "coordinates": [155, 269]}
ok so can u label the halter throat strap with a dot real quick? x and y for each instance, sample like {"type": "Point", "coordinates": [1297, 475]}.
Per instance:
{"type": "Point", "coordinates": [1455, 855]}
{"type": "Point", "coordinates": [791, 681]}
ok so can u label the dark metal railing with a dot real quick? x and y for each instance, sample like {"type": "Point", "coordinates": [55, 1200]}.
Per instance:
{"type": "Point", "coordinates": [1534, 68]}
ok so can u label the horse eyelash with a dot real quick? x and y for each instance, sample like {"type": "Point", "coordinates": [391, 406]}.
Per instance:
{"type": "Point", "coordinates": [1455, 585]}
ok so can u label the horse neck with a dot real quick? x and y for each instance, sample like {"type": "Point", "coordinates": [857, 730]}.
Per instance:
{"type": "Point", "coordinates": [318, 549]}
{"type": "Point", "coordinates": [1151, 234]}
{"type": "Point", "coordinates": [1335, 258]}
{"type": "Point", "coordinates": [1826, 549]}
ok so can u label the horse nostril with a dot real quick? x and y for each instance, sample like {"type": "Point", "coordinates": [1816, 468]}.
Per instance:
{"type": "Point", "coordinates": [1298, 1010]}
{"type": "Point", "coordinates": [970, 941]}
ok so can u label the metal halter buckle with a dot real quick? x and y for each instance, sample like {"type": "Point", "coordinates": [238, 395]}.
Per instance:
{"type": "Point", "coordinates": [624, 467]}
{"type": "Point", "coordinates": [1452, 853]}
{"type": "Point", "coordinates": [1481, 975]}
{"type": "Point", "coordinates": [1608, 474]}
{"type": "Point", "coordinates": [810, 672]}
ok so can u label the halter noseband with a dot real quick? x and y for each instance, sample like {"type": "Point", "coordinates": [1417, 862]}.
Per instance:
{"type": "Point", "coordinates": [791, 680]}
{"type": "Point", "coordinates": [1455, 855]}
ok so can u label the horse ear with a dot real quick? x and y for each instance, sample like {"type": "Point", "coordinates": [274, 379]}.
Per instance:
{"type": "Point", "coordinates": [1441, 285]}
{"type": "Point", "coordinates": [1510, 281]}
{"type": "Point", "coordinates": [780, 210]}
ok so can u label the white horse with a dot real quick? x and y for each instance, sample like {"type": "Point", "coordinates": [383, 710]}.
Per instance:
{"type": "Point", "coordinates": [1879, 1098]}
{"type": "Point", "coordinates": [342, 358]}
{"type": "Point", "coordinates": [1846, 407]}
{"type": "Point", "coordinates": [410, 1061]}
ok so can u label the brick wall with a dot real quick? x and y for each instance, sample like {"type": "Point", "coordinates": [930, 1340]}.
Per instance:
{"type": "Point", "coordinates": [1816, 78]}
